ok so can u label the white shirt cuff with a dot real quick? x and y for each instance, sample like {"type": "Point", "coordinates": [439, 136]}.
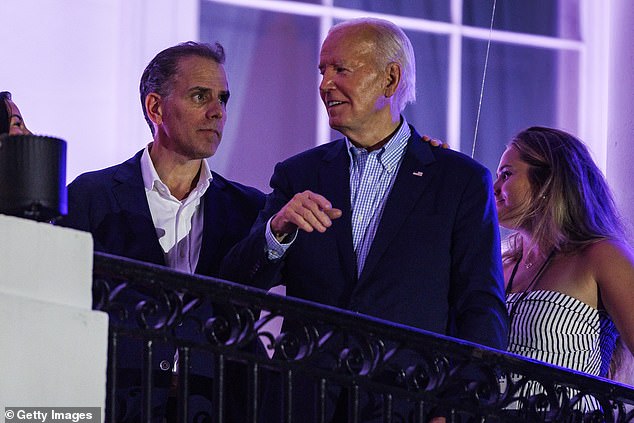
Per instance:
{"type": "Point", "coordinates": [274, 249]}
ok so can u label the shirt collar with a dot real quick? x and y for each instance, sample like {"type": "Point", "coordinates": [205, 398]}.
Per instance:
{"type": "Point", "coordinates": [391, 153]}
{"type": "Point", "coordinates": [152, 181]}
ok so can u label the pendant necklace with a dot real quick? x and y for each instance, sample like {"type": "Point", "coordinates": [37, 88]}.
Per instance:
{"type": "Point", "coordinates": [529, 287]}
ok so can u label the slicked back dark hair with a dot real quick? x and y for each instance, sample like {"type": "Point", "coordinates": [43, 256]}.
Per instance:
{"type": "Point", "coordinates": [159, 73]}
{"type": "Point", "coordinates": [5, 120]}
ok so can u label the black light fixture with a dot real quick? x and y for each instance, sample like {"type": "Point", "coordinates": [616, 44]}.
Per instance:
{"type": "Point", "coordinates": [33, 177]}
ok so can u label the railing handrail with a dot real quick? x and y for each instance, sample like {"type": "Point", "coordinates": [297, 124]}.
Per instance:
{"type": "Point", "coordinates": [160, 277]}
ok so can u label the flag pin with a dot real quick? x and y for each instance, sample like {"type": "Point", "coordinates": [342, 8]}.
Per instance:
{"type": "Point", "coordinates": [419, 173]}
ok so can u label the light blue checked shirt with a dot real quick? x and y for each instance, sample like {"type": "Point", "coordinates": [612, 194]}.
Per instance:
{"type": "Point", "coordinates": [372, 175]}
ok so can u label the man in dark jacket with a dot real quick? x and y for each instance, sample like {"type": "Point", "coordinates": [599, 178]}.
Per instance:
{"type": "Point", "coordinates": [165, 206]}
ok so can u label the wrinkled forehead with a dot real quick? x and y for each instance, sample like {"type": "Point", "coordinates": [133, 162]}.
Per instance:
{"type": "Point", "coordinates": [359, 34]}
{"type": "Point", "coordinates": [348, 43]}
{"type": "Point", "coordinates": [198, 70]}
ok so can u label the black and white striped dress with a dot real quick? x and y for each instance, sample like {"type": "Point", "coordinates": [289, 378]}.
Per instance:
{"type": "Point", "coordinates": [558, 329]}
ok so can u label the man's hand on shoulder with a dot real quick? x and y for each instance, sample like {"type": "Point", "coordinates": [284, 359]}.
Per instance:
{"type": "Point", "coordinates": [434, 142]}
{"type": "Point", "coordinates": [306, 211]}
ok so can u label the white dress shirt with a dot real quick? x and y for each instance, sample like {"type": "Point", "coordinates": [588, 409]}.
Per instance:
{"type": "Point", "coordinates": [178, 223]}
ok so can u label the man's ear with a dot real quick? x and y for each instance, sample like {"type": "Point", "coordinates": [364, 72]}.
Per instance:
{"type": "Point", "coordinates": [393, 78]}
{"type": "Point", "coordinates": [154, 108]}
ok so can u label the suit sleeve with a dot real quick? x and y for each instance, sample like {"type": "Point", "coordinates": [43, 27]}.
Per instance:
{"type": "Point", "coordinates": [78, 216]}
{"type": "Point", "coordinates": [247, 262]}
{"type": "Point", "coordinates": [80, 208]}
{"type": "Point", "coordinates": [477, 307]}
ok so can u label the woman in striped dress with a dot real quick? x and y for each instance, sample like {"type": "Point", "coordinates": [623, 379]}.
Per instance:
{"type": "Point", "coordinates": [569, 272]}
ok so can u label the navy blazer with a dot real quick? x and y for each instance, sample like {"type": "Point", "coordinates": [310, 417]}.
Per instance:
{"type": "Point", "coordinates": [112, 205]}
{"type": "Point", "coordinates": [434, 263]}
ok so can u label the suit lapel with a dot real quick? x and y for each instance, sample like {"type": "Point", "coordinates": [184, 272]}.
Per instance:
{"type": "Point", "coordinates": [409, 185]}
{"type": "Point", "coordinates": [130, 195]}
{"type": "Point", "coordinates": [334, 184]}
{"type": "Point", "coordinates": [216, 219]}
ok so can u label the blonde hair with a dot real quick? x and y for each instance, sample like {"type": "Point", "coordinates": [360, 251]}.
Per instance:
{"type": "Point", "coordinates": [622, 364]}
{"type": "Point", "coordinates": [571, 205]}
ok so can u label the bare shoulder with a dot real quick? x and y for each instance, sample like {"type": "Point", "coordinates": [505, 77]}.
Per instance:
{"type": "Point", "coordinates": [608, 253]}
{"type": "Point", "coordinates": [611, 263]}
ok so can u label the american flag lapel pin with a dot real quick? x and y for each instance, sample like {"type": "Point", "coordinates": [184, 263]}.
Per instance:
{"type": "Point", "coordinates": [417, 173]}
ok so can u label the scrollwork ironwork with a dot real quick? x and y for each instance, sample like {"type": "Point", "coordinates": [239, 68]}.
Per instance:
{"type": "Point", "coordinates": [393, 362]}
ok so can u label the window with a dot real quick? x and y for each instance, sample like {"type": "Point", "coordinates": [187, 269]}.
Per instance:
{"type": "Point", "coordinates": [537, 60]}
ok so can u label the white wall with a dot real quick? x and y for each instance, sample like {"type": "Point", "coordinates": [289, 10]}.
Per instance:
{"type": "Point", "coordinates": [74, 66]}
{"type": "Point", "coordinates": [54, 347]}
{"type": "Point", "coordinates": [620, 146]}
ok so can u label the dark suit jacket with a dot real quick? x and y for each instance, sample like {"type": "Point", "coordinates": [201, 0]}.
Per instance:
{"type": "Point", "coordinates": [112, 205]}
{"type": "Point", "coordinates": [434, 263]}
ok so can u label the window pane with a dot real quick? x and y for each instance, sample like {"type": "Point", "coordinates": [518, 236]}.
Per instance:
{"type": "Point", "coordinates": [542, 17]}
{"type": "Point", "coordinates": [429, 113]}
{"type": "Point", "coordinates": [520, 91]}
{"type": "Point", "coordinates": [429, 9]}
{"type": "Point", "coordinates": [568, 100]}
{"type": "Point", "coordinates": [272, 71]}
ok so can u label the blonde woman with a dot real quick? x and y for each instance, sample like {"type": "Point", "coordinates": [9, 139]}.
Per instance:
{"type": "Point", "coordinates": [568, 270]}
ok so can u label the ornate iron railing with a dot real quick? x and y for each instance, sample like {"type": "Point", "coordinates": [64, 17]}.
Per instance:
{"type": "Point", "coordinates": [334, 348]}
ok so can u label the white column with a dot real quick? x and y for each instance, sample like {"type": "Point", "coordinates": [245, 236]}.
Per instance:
{"type": "Point", "coordinates": [620, 151]}
{"type": "Point", "coordinates": [54, 346]}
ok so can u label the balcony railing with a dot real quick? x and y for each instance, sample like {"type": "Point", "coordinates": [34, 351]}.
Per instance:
{"type": "Point", "coordinates": [401, 366]}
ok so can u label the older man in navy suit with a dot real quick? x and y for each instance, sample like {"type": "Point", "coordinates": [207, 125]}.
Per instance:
{"type": "Point", "coordinates": [165, 206]}
{"type": "Point", "coordinates": [380, 222]}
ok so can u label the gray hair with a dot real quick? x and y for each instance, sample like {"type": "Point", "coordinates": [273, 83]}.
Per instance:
{"type": "Point", "coordinates": [392, 45]}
